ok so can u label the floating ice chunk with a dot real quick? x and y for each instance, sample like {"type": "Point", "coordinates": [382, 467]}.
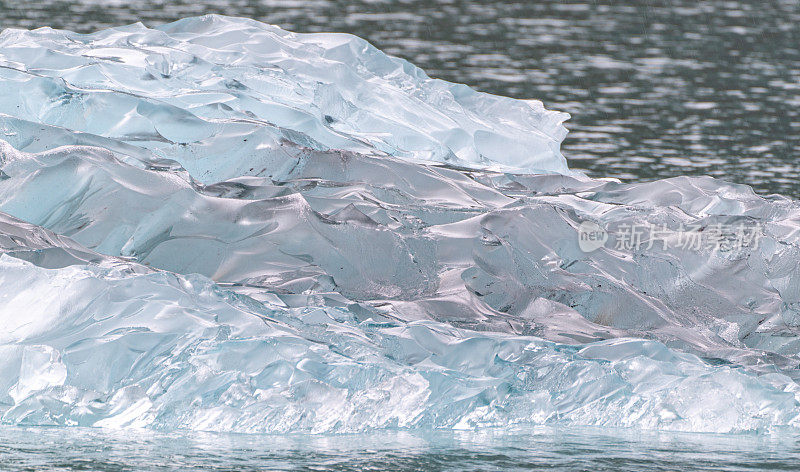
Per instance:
{"type": "Point", "coordinates": [220, 225]}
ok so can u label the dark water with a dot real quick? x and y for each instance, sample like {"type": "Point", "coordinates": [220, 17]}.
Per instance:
{"type": "Point", "coordinates": [656, 89]}
{"type": "Point", "coordinates": [47, 449]}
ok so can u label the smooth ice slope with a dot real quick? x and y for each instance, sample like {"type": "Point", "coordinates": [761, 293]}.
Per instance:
{"type": "Point", "coordinates": [220, 225]}
{"type": "Point", "coordinates": [203, 86]}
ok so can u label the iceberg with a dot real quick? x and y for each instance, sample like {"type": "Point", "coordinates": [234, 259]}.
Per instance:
{"type": "Point", "coordinates": [219, 225]}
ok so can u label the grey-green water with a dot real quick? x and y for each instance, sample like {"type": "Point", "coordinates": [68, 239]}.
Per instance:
{"type": "Point", "coordinates": [50, 449]}
{"type": "Point", "coordinates": [656, 89]}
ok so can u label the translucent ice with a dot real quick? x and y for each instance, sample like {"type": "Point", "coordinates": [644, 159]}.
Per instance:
{"type": "Point", "coordinates": [217, 224]}
{"type": "Point", "coordinates": [104, 347]}
{"type": "Point", "coordinates": [200, 87]}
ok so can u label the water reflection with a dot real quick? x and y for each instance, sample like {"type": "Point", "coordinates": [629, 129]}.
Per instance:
{"type": "Point", "coordinates": [531, 448]}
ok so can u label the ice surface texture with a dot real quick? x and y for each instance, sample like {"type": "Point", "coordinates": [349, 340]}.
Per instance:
{"type": "Point", "coordinates": [220, 225]}
{"type": "Point", "coordinates": [200, 87]}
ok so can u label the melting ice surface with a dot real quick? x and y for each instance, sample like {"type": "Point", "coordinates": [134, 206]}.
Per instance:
{"type": "Point", "coordinates": [219, 225]}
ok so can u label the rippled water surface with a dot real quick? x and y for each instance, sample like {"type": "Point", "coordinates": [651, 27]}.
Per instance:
{"type": "Point", "coordinates": [655, 89]}
{"type": "Point", "coordinates": [38, 449]}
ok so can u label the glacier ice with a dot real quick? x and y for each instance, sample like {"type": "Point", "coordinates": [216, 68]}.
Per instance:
{"type": "Point", "coordinates": [105, 347]}
{"type": "Point", "coordinates": [198, 87]}
{"type": "Point", "coordinates": [220, 225]}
